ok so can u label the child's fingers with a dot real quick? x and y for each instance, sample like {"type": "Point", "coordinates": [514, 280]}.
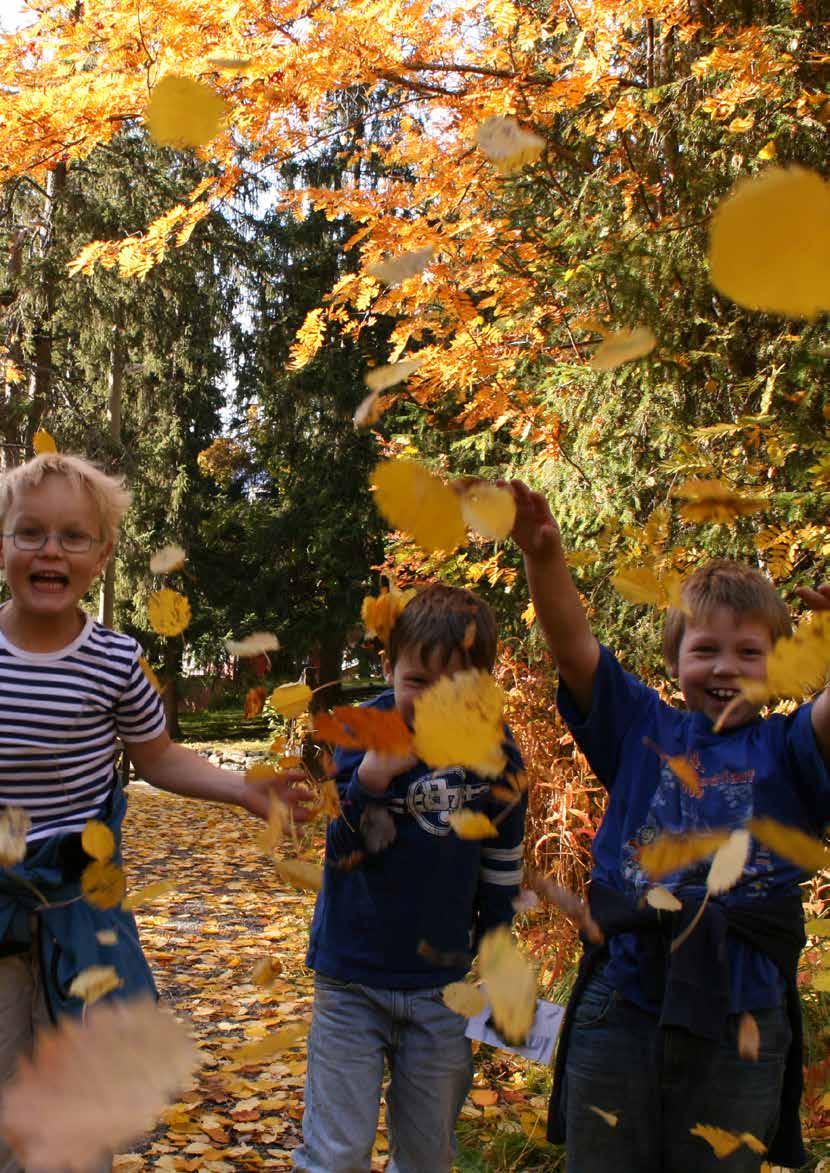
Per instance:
{"type": "Point", "coordinates": [816, 600]}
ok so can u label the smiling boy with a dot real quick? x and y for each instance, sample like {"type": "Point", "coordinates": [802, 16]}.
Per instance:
{"type": "Point", "coordinates": [651, 1033]}
{"type": "Point", "coordinates": [68, 688]}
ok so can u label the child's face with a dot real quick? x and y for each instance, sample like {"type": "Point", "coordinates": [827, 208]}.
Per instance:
{"type": "Point", "coordinates": [411, 676]}
{"type": "Point", "coordinates": [714, 654]}
{"type": "Point", "coordinates": [50, 581]}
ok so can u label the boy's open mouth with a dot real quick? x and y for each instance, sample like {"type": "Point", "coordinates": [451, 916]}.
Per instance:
{"type": "Point", "coordinates": [722, 694]}
{"type": "Point", "coordinates": [49, 581]}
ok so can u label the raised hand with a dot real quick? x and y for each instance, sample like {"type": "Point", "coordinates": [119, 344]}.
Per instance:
{"type": "Point", "coordinates": [535, 530]}
{"type": "Point", "coordinates": [817, 599]}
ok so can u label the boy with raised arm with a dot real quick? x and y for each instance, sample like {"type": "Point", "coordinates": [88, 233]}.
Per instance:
{"type": "Point", "coordinates": [68, 688]}
{"type": "Point", "coordinates": [661, 1028]}
{"type": "Point", "coordinates": [389, 933]}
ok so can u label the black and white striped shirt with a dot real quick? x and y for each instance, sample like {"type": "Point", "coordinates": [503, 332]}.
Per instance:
{"type": "Point", "coordinates": [60, 714]}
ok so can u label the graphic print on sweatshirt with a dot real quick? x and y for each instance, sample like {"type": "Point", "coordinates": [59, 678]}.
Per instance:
{"type": "Point", "coordinates": [431, 798]}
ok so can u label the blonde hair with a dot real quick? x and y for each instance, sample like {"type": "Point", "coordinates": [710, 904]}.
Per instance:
{"type": "Point", "coordinates": [110, 495]}
{"type": "Point", "coordinates": [724, 583]}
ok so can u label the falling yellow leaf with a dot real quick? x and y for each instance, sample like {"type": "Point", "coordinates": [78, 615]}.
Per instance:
{"type": "Point", "coordinates": [510, 984]}
{"type": "Point", "coordinates": [277, 825]}
{"type": "Point", "coordinates": [382, 377]}
{"type": "Point", "coordinates": [768, 151]}
{"type": "Point", "coordinates": [169, 612]}
{"type": "Point", "coordinates": [273, 1044]}
{"type": "Point", "coordinates": [14, 827]}
{"type": "Point", "coordinates": [712, 500]}
{"type": "Point", "coordinates": [685, 771]}
{"type": "Point", "coordinates": [42, 441]}
{"type": "Point", "coordinates": [464, 999]}
{"type": "Point", "coordinates": [576, 559]}
{"type": "Point", "coordinates": [98, 840]}
{"type": "Point", "coordinates": [300, 873]}
{"type": "Point", "coordinates": [728, 863]}
{"type": "Point", "coordinates": [790, 843]}
{"type": "Point", "coordinates": [459, 722]}
{"type": "Point", "coordinates": [380, 613]}
{"type": "Point", "coordinates": [135, 1056]}
{"type": "Point", "coordinates": [254, 644]}
{"type": "Point", "coordinates": [150, 674]}
{"type": "Point", "coordinates": [149, 893]}
{"type": "Point", "coordinates": [103, 884]}
{"type": "Point", "coordinates": [266, 971]}
{"type": "Point", "coordinates": [398, 268]}
{"type": "Point", "coordinates": [507, 144]}
{"type": "Point", "coordinates": [290, 700]}
{"type": "Point", "coordinates": [412, 499]}
{"type": "Point", "coordinates": [260, 772]}
{"type": "Point", "coordinates": [725, 1143]}
{"type": "Point", "coordinates": [330, 800]}
{"type": "Point", "coordinates": [167, 560]}
{"type": "Point", "coordinates": [622, 346]}
{"type": "Point", "coordinates": [487, 509]}
{"type": "Point", "coordinates": [95, 983]}
{"type": "Point", "coordinates": [370, 409]}
{"type": "Point", "coordinates": [183, 112]}
{"type": "Point", "coordinates": [769, 243]}
{"type": "Point", "coordinates": [106, 937]}
{"type": "Point", "coordinates": [639, 584]}
{"type": "Point", "coordinates": [662, 899]}
{"type": "Point", "coordinates": [796, 666]}
{"type": "Point", "coordinates": [381, 730]}
{"type": "Point", "coordinates": [673, 853]}
{"type": "Point", "coordinates": [470, 824]}
{"type": "Point", "coordinates": [610, 1118]}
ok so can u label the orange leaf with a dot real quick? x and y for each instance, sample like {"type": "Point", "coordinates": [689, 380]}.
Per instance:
{"type": "Point", "coordinates": [353, 728]}
{"type": "Point", "coordinates": [254, 700]}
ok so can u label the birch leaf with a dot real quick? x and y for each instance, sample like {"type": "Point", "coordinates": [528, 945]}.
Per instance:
{"type": "Point", "coordinates": [168, 611]}
{"type": "Point", "coordinates": [103, 884]}
{"type": "Point", "coordinates": [290, 700]}
{"type": "Point", "coordinates": [167, 560]}
{"type": "Point", "coordinates": [95, 983]}
{"type": "Point", "coordinates": [148, 893]}
{"type": "Point", "coordinates": [459, 722]}
{"type": "Point", "coordinates": [300, 873]}
{"type": "Point", "coordinates": [507, 144]}
{"type": "Point", "coordinates": [470, 824]}
{"type": "Point", "coordinates": [622, 346]}
{"type": "Point", "coordinates": [728, 863]}
{"type": "Point", "coordinates": [183, 112]}
{"type": "Point", "coordinates": [661, 898]}
{"type": "Point", "coordinates": [398, 268]}
{"type": "Point", "coordinates": [253, 645]}
{"type": "Point", "coordinates": [388, 376]}
{"type": "Point", "coordinates": [510, 984]}
{"type": "Point", "coordinates": [411, 499]}
{"type": "Point", "coordinates": [715, 501]}
{"type": "Point", "coordinates": [799, 848]}
{"type": "Point", "coordinates": [749, 1038]}
{"type": "Point", "coordinates": [464, 999]}
{"type": "Point", "coordinates": [43, 441]}
{"type": "Point", "coordinates": [488, 509]}
{"type": "Point", "coordinates": [673, 853]}
{"type": "Point", "coordinates": [98, 840]}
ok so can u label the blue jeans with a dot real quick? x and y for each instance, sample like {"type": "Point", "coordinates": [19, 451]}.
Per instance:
{"type": "Point", "coordinates": [660, 1084]}
{"type": "Point", "coordinates": [354, 1029]}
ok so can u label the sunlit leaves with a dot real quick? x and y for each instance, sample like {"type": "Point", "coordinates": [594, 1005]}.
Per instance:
{"type": "Point", "coordinates": [103, 884]}
{"type": "Point", "coordinates": [622, 346]}
{"type": "Point", "coordinates": [43, 441]}
{"type": "Point", "coordinates": [167, 560]}
{"type": "Point", "coordinates": [290, 700]}
{"type": "Point", "coordinates": [384, 731]}
{"type": "Point", "coordinates": [488, 509]}
{"type": "Point", "coordinates": [713, 500]}
{"type": "Point", "coordinates": [725, 1143]}
{"type": "Point", "coordinates": [790, 843]}
{"type": "Point", "coordinates": [380, 612]}
{"type": "Point", "coordinates": [507, 144]}
{"type": "Point", "coordinates": [470, 824]}
{"type": "Point", "coordinates": [183, 112]}
{"type": "Point", "coordinates": [94, 983]}
{"type": "Point", "coordinates": [14, 827]}
{"type": "Point", "coordinates": [672, 853]}
{"type": "Point", "coordinates": [253, 645]}
{"type": "Point", "coordinates": [464, 999]}
{"type": "Point", "coordinates": [382, 377]}
{"type": "Point", "coordinates": [769, 243]}
{"type": "Point", "coordinates": [398, 268]}
{"type": "Point", "coordinates": [98, 840]}
{"type": "Point", "coordinates": [510, 984]}
{"type": "Point", "coordinates": [412, 499]}
{"type": "Point", "coordinates": [168, 611]}
{"type": "Point", "coordinates": [459, 722]}
{"type": "Point", "coordinates": [92, 1088]}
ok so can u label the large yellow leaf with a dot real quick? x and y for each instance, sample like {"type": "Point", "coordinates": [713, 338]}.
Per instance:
{"type": "Point", "coordinates": [510, 983]}
{"type": "Point", "coordinates": [459, 722]}
{"type": "Point", "coordinates": [380, 612]}
{"type": "Point", "coordinates": [487, 509]}
{"type": "Point", "coordinates": [98, 840]}
{"type": "Point", "coordinates": [470, 824]}
{"type": "Point", "coordinates": [300, 873]}
{"type": "Point", "coordinates": [169, 612]}
{"type": "Point", "coordinates": [797, 664]}
{"type": "Point", "coordinates": [712, 500]}
{"type": "Point", "coordinates": [769, 243]}
{"type": "Point", "coordinates": [183, 112]}
{"type": "Point", "coordinates": [507, 144]}
{"type": "Point", "coordinates": [464, 998]}
{"type": "Point", "coordinates": [94, 983]}
{"type": "Point", "coordinates": [43, 441]}
{"type": "Point", "coordinates": [790, 843]}
{"type": "Point", "coordinates": [412, 499]}
{"type": "Point", "coordinates": [14, 827]}
{"type": "Point", "coordinates": [639, 584]}
{"type": "Point", "coordinates": [622, 346]}
{"type": "Point", "coordinates": [103, 884]}
{"type": "Point", "coordinates": [672, 853]}
{"type": "Point", "coordinates": [290, 700]}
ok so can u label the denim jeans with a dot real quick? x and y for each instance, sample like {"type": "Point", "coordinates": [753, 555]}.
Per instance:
{"type": "Point", "coordinates": [660, 1084]}
{"type": "Point", "coordinates": [353, 1030]}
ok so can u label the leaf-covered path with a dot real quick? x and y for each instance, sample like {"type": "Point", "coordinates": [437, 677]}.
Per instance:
{"type": "Point", "coordinates": [228, 912]}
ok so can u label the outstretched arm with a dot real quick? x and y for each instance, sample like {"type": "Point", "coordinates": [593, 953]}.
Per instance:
{"type": "Point", "coordinates": [555, 597]}
{"type": "Point", "coordinates": [819, 600]}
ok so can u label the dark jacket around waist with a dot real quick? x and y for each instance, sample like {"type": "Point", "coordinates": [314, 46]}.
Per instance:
{"type": "Point", "coordinates": [693, 983]}
{"type": "Point", "coordinates": [68, 926]}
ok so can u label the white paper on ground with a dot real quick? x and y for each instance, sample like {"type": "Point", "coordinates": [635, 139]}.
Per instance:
{"type": "Point", "coordinates": [541, 1037]}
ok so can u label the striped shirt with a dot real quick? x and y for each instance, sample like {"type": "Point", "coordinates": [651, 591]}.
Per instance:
{"type": "Point", "coordinates": [60, 715]}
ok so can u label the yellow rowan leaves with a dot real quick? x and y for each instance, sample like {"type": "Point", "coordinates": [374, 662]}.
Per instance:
{"type": "Point", "coordinates": [290, 700]}
{"type": "Point", "coordinates": [167, 560]}
{"type": "Point", "coordinates": [14, 827]}
{"type": "Point", "coordinates": [42, 441]}
{"type": "Point", "coordinates": [470, 824]}
{"type": "Point", "coordinates": [254, 644]}
{"type": "Point", "coordinates": [790, 843]}
{"type": "Point", "coordinates": [183, 112]}
{"type": "Point", "coordinates": [769, 243]}
{"type": "Point", "coordinates": [672, 853]}
{"type": "Point", "coordinates": [622, 346]}
{"type": "Point", "coordinates": [459, 722]}
{"type": "Point", "coordinates": [95, 983]}
{"type": "Point", "coordinates": [507, 144]}
{"type": "Point", "coordinates": [712, 500]}
{"type": "Point", "coordinates": [168, 611]}
{"type": "Point", "coordinates": [410, 498]}
{"type": "Point", "coordinates": [724, 1143]}
{"type": "Point", "coordinates": [464, 998]}
{"type": "Point", "coordinates": [380, 612]}
{"type": "Point", "coordinates": [510, 983]}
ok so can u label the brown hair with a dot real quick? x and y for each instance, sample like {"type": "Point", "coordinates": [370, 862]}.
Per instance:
{"type": "Point", "coordinates": [440, 617]}
{"type": "Point", "coordinates": [724, 583]}
{"type": "Point", "coordinates": [109, 494]}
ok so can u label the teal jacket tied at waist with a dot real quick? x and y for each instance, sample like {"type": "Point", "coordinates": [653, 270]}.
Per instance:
{"type": "Point", "coordinates": [67, 937]}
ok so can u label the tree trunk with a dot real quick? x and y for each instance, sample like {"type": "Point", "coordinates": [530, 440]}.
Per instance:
{"type": "Point", "coordinates": [40, 380]}
{"type": "Point", "coordinates": [106, 608]}
{"type": "Point", "coordinates": [331, 663]}
{"type": "Point", "coordinates": [170, 696]}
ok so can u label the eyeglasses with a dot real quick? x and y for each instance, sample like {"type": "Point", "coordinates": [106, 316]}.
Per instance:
{"type": "Point", "coordinates": [34, 538]}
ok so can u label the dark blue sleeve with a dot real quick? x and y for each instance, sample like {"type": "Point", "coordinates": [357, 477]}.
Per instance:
{"type": "Point", "coordinates": [500, 872]}
{"type": "Point", "coordinates": [808, 767]}
{"type": "Point", "coordinates": [618, 700]}
{"type": "Point", "coordinates": [343, 836]}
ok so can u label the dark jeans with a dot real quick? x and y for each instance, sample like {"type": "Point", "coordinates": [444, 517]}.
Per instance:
{"type": "Point", "coordinates": [660, 1084]}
